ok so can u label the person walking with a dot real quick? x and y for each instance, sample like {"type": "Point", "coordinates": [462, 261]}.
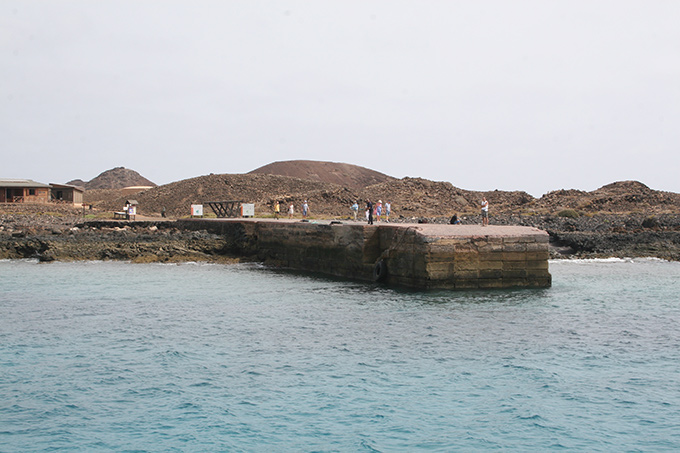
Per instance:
{"type": "Point", "coordinates": [369, 210]}
{"type": "Point", "coordinates": [291, 211]}
{"type": "Point", "coordinates": [388, 210]}
{"type": "Point", "coordinates": [485, 212]}
{"type": "Point", "coordinates": [355, 210]}
{"type": "Point", "coordinates": [305, 209]}
{"type": "Point", "coordinates": [378, 210]}
{"type": "Point", "coordinates": [277, 210]}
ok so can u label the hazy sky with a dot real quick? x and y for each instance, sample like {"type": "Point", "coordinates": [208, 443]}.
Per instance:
{"type": "Point", "coordinates": [510, 95]}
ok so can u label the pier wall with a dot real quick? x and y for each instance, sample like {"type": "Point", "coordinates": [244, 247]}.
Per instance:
{"type": "Point", "coordinates": [418, 256]}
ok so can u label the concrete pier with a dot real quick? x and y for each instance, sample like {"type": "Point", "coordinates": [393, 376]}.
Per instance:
{"type": "Point", "coordinates": [429, 256]}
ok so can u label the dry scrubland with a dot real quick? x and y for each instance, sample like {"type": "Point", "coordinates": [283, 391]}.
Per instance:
{"type": "Point", "coordinates": [411, 198]}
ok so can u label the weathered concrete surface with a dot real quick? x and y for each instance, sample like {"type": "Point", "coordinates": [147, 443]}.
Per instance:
{"type": "Point", "coordinates": [413, 255]}
{"type": "Point", "coordinates": [467, 256]}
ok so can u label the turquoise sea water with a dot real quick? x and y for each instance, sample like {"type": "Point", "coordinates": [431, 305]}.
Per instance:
{"type": "Point", "coordinates": [105, 356]}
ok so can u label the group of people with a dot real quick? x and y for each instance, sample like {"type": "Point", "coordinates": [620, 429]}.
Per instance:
{"type": "Point", "coordinates": [376, 211]}
{"type": "Point", "coordinates": [372, 211]}
{"type": "Point", "coordinates": [291, 210]}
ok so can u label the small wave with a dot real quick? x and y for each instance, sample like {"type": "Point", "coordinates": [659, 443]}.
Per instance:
{"type": "Point", "coordinates": [653, 259]}
{"type": "Point", "coordinates": [530, 417]}
{"type": "Point", "coordinates": [168, 353]}
{"type": "Point", "coordinates": [180, 264]}
{"type": "Point", "coordinates": [21, 260]}
{"type": "Point", "coordinates": [365, 445]}
{"type": "Point", "coordinates": [648, 259]}
{"type": "Point", "coordinates": [592, 260]}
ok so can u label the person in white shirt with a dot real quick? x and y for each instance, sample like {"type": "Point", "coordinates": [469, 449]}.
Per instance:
{"type": "Point", "coordinates": [485, 212]}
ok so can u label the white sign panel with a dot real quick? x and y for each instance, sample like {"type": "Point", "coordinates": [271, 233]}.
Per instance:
{"type": "Point", "coordinates": [196, 210]}
{"type": "Point", "coordinates": [248, 210]}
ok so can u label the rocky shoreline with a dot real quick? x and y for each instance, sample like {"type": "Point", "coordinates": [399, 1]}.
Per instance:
{"type": "Point", "coordinates": [68, 235]}
{"type": "Point", "coordinates": [65, 234]}
{"type": "Point", "coordinates": [137, 242]}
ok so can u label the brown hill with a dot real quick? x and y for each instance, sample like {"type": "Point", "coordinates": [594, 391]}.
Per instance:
{"type": "Point", "coordinates": [410, 197]}
{"type": "Point", "coordinates": [345, 175]}
{"type": "Point", "coordinates": [116, 178]}
{"type": "Point", "coordinates": [263, 190]}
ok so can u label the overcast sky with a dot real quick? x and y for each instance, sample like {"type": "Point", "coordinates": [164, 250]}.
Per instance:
{"type": "Point", "coordinates": [509, 95]}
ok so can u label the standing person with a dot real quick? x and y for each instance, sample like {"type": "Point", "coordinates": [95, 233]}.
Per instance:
{"type": "Point", "coordinates": [369, 210]}
{"type": "Point", "coordinates": [378, 210]}
{"type": "Point", "coordinates": [277, 210]}
{"type": "Point", "coordinates": [388, 209]}
{"type": "Point", "coordinates": [291, 211]}
{"type": "Point", "coordinates": [355, 210]}
{"type": "Point", "coordinates": [485, 212]}
{"type": "Point", "coordinates": [305, 209]}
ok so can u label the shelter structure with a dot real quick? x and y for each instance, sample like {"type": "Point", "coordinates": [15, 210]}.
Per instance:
{"type": "Point", "coordinates": [23, 191]}
{"type": "Point", "coordinates": [131, 209]}
{"type": "Point", "coordinates": [64, 193]}
{"type": "Point", "coordinates": [224, 209]}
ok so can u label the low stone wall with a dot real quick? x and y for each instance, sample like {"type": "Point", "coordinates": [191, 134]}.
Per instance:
{"type": "Point", "coordinates": [343, 250]}
{"type": "Point", "coordinates": [419, 256]}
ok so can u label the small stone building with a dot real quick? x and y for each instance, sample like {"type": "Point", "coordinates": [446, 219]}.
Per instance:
{"type": "Point", "coordinates": [23, 191]}
{"type": "Point", "coordinates": [64, 193]}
